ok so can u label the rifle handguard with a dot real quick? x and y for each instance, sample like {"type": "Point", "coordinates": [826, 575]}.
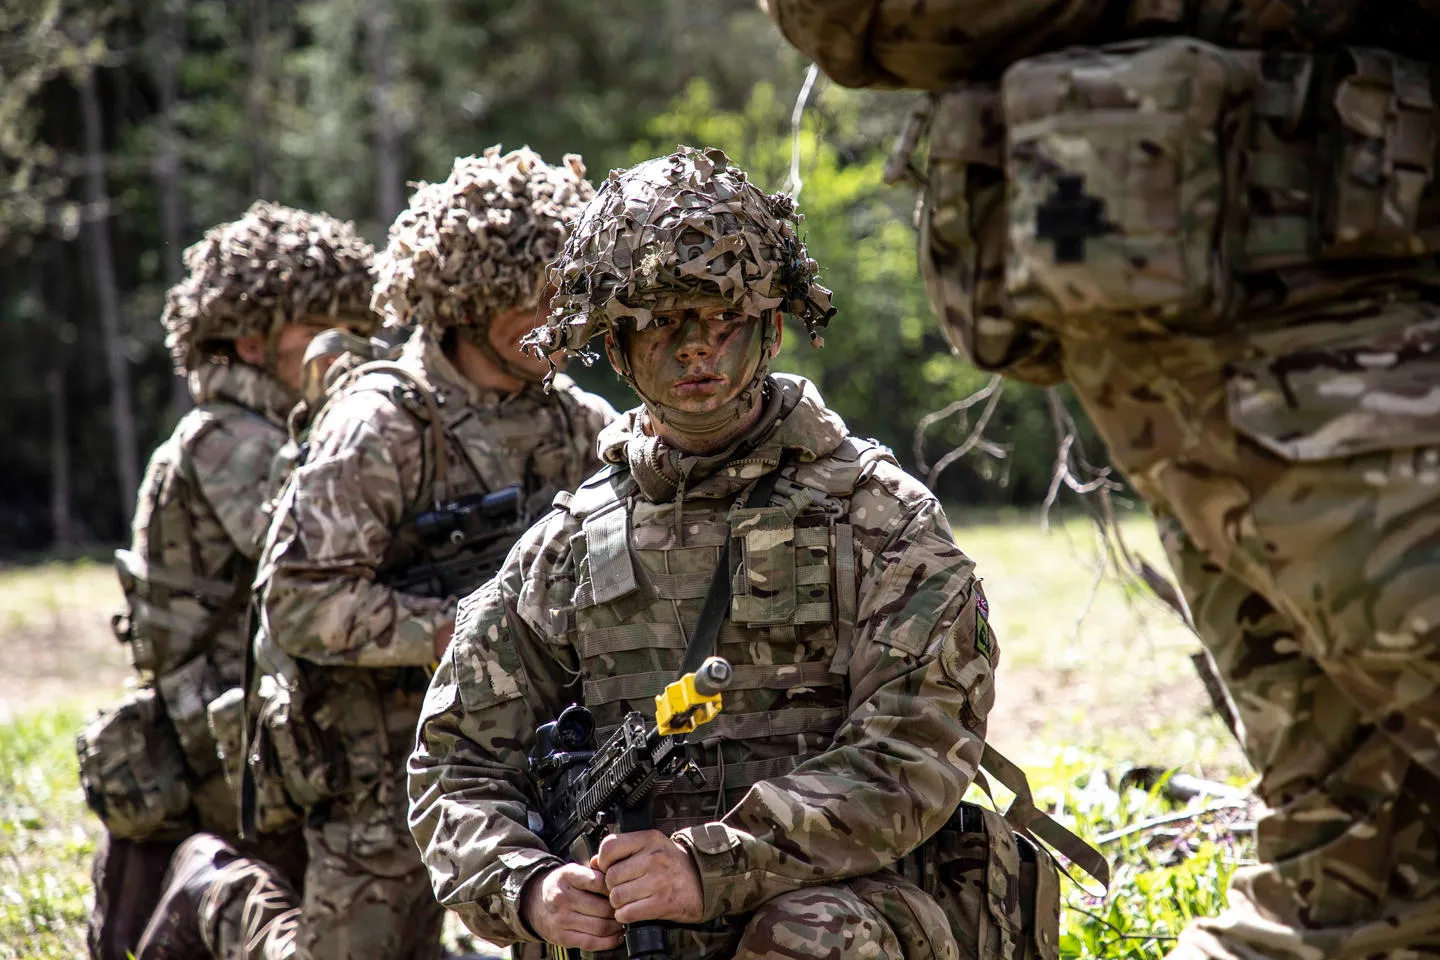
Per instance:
{"type": "Point", "coordinates": [692, 700]}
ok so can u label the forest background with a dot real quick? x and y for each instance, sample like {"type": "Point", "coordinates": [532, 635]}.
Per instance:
{"type": "Point", "coordinates": [128, 128]}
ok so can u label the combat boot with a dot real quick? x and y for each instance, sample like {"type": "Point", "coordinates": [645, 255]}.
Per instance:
{"type": "Point", "coordinates": [175, 931]}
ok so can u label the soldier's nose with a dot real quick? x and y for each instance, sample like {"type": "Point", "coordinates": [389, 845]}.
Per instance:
{"type": "Point", "coordinates": [691, 344]}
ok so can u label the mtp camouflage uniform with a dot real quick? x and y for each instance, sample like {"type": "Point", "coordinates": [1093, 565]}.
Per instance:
{"type": "Point", "coordinates": [342, 650]}
{"type": "Point", "coordinates": [1221, 230]}
{"type": "Point", "coordinates": [150, 767]}
{"type": "Point", "coordinates": [863, 662]}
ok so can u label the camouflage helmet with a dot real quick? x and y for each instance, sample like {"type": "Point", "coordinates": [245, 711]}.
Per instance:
{"type": "Point", "coordinates": [673, 230]}
{"type": "Point", "coordinates": [476, 245]}
{"type": "Point", "coordinates": [273, 266]}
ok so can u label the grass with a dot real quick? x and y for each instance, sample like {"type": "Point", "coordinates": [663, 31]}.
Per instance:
{"type": "Point", "coordinates": [1093, 681]}
{"type": "Point", "coordinates": [46, 839]}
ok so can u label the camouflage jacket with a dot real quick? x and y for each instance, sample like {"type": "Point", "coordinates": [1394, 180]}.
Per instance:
{"type": "Point", "coordinates": [863, 669]}
{"type": "Point", "coordinates": [198, 518]}
{"type": "Point", "coordinates": [342, 519]}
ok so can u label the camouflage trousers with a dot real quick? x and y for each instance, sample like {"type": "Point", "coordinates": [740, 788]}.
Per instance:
{"type": "Point", "coordinates": [1350, 842]}
{"type": "Point", "coordinates": [376, 905]}
{"type": "Point", "coordinates": [1314, 580]}
{"type": "Point", "coordinates": [877, 917]}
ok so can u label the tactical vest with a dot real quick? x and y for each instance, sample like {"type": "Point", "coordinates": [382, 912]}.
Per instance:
{"type": "Point", "coordinates": [1171, 186]}
{"type": "Point", "coordinates": [322, 732]}
{"type": "Point", "coordinates": [641, 572]}
{"type": "Point", "coordinates": [186, 633]}
{"type": "Point", "coordinates": [641, 575]}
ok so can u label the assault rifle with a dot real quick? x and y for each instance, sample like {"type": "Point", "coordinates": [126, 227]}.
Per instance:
{"type": "Point", "coordinates": [584, 790]}
{"type": "Point", "coordinates": [481, 528]}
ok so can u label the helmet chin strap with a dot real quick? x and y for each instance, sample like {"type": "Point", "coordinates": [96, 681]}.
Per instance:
{"type": "Point", "coordinates": [713, 424]}
{"type": "Point", "coordinates": [479, 336]}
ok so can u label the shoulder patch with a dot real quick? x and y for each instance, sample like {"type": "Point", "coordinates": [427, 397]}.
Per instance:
{"type": "Point", "coordinates": [984, 639]}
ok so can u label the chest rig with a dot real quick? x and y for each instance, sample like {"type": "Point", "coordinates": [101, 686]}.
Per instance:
{"type": "Point", "coordinates": [640, 575]}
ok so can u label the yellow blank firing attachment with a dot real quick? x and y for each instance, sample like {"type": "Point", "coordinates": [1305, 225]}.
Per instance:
{"type": "Point", "coordinates": [694, 699]}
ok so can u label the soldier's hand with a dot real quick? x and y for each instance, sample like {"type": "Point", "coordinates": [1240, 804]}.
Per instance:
{"type": "Point", "coordinates": [442, 639]}
{"type": "Point", "coordinates": [567, 907]}
{"type": "Point", "coordinates": [650, 877]}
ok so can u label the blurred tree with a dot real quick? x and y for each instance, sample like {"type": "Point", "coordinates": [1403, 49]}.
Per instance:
{"type": "Point", "coordinates": [336, 105]}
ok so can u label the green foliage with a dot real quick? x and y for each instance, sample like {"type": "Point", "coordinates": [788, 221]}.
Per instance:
{"type": "Point", "coordinates": [46, 839]}
{"type": "Point", "coordinates": [285, 99]}
{"type": "Point", "coordinates": [1170, 863]}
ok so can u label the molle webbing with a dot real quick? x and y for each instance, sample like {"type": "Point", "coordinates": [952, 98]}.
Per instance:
{"type": "Point", "coordinates": [737, 775]}
{"type": "Point", "coordinates": [607, 545]}
{"type": "Point", "coordinates": [747, 676]}
{"type": "Point", "coordinates": [822, 721]}
{"type": "Point", "coordinates": [601, 641]}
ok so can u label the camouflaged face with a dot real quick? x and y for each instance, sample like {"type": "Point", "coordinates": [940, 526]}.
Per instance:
{"type": "Point", "coordinates": [477, 244]}
{"type": "Point", "coordinates": [673, 231]}
{"type": "Point", "coordinates": [273, 266]}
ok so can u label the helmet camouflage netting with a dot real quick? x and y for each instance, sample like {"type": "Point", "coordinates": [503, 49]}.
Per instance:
{"type": "Point", "coordinates": [476, 245]}
{"type": "Point", "coordinates": [273, 266]}
{"type": "Point", "coordinates": [673, 230]}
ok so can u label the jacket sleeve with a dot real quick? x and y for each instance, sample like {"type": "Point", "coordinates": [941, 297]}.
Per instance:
{"type": "Point", "coordinates": [470, 797]}
{"type": "Point", "coordinates": [921, 685]}
{"type": "Point", "coordinates": [333, 525]}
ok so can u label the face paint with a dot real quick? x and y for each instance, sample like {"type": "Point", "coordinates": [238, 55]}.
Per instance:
{"type": "Point", "coordinates": [695, 361]}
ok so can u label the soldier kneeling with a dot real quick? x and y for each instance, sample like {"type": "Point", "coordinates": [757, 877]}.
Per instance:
{"type": "Point", "coordinates": [863, 662]}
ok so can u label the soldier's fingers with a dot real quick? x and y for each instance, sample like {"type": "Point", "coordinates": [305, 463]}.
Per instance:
{"type": "Point", "coordinates": [631, 868]}
{"type": "Point", "coordinates": [589, 904]}
{"type": "Point", "coordinates": [591, 881]}
{"type": "Point", "coordinates": [591, 926]}
{"type": "Point", "coordinates": [641, 888]}
{"type": "Point", "coordinates": [618, 846]}
{"type": "Point", "coordinates": [649, 908]}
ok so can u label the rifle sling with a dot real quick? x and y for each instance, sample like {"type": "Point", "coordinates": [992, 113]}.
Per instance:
{"type": "Point", "coordinates": [716, 606]}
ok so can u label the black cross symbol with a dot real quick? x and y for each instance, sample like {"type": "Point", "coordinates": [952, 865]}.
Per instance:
{"type": "Point", "coordinates": [1069, 217]}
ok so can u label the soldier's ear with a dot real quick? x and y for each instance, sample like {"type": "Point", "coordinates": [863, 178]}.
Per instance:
{"type": "Point", "coordinates": [251, 349]}
{"type": "Point", "coordinates": [615, 353]}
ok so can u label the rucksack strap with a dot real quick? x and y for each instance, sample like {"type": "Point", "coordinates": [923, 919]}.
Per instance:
{"type": "Point", "coordinates": [434, 431]}
{"type": "Point", "coordinates": [716, 606]}
{"type": "Point", "coordinates": [1028, 819]}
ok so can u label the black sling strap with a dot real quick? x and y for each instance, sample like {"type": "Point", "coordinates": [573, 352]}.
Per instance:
{"type": "Point", "coordinates": [717, 599]}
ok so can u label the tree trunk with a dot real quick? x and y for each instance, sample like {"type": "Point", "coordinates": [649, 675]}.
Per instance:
{"type": "Point", "coordinates": [107, 296]}
{"type": "Point", "coordinates": [389, 196]}
{"type": "Point", "coordinates": [256, 107]}
{"type": "Point", "coordinates": [59, 462]}
{"type": "Point", "coordinates": [167, 44]}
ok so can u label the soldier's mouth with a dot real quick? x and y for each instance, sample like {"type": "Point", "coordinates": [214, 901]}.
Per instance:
{"type": "Point", "coordinates": [698, 384]}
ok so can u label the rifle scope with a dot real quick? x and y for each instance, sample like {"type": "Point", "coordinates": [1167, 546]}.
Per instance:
{"type": "Point", "coordinates": [469, 518]}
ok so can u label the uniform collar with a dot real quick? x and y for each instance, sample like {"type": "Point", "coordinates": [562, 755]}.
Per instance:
{"type": "Point", "coordinates": [795, 419]}
{"type": "Point", "coordinates": [423, 352]}
{"type": "Point", "coordinates": [243, 385]}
